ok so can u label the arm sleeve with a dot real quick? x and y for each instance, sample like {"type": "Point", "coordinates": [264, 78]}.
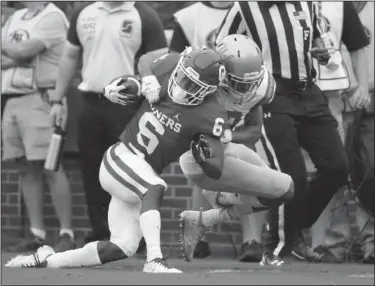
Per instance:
{"type": "Point", "coordinates": [72, 32]}
{"type": "Point", "coordinates": [353, 34]}
{"type": "Point", "coordinates": [179, 41]}
{"type": "Point", "coordinates": [233, 23]}
{"type": "Point", "coordinates": [51, 29]}
{"type": "Point", "coordinates": [153, 37]}
{"type": "Point", "coordinates": [267, 88]}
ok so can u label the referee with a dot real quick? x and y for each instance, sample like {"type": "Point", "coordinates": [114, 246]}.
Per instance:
{"type": "Point", "coordinates": [299, 115]}
{"type": "Point", "coordinates": [110, 37]}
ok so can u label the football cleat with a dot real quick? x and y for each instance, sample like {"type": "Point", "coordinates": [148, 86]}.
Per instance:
{"type": "Point", "coordinates": [159, 265]}
{"type": "Point", "coordinates": [36, 260]}
{"type": "Point", "coordinates": [191, 231]}
{"type": "Point", "coordinates": [268, 259]}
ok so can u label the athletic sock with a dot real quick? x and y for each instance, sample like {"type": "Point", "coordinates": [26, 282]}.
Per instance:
{"type": "Point", "coordinates": [150, 225]}
{"type": "Point", "coordinates": [85, 256]}
{"type": "Point", "coordinates": [41, 233]}
{"type": "Point", "coordinates": [68, 232]}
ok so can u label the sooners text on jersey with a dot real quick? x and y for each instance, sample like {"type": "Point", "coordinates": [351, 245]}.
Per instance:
{"type": "Point", "coordinates": [162, 132]}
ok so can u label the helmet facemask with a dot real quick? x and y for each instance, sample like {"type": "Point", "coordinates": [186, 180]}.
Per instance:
{"type": "Point", "coordinates": [244, 88]}
{"type": "Point", "coordinates": [185, 88]}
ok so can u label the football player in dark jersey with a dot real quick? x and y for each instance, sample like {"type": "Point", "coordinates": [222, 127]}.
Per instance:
{"type": "Point", "coordinates": [186, 116]}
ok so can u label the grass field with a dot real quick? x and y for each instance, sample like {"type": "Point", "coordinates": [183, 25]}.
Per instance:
{"type": "Point", "coordinates": [207, 271]}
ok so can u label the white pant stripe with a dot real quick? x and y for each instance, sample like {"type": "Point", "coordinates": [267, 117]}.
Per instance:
{"type": "Point", "coordinates": [124, 175]}
{"type": "Point", "coordinates": [268, 146]}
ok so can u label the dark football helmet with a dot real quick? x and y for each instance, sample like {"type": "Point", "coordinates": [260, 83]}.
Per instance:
{"type": "Point", "coordinates": [197, 74]}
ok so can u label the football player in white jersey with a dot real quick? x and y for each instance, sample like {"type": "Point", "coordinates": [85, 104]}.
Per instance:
{"type": "Point", "coordinates": [248, 86]}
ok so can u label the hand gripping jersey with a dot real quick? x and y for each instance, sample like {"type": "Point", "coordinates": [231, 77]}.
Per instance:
{"type": "Point", "coordinates": [237, 111]}
{"type": "Point", "coordinates": [162, 132]}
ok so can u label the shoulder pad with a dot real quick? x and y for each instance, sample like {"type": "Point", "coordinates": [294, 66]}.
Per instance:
{"type": "Point", "coordinates": [164, 65]}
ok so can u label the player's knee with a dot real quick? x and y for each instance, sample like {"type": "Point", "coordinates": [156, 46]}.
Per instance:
{"type": "Point", "coordinates": [152, 199]}
{"type": "Point", "coordinates": [188, 165]}
{"type": "Point", "coordinates": [271, 203]}
{"type": "Point", "coordinates": [111, 251]}
{"type": "Point", "coordinates": [104, 177]}
{"type": "Point", "coordinates": [276, 202]}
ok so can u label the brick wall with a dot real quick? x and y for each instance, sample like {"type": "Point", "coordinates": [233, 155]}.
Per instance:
{"type": "Point", "coordinates": [177, 198]}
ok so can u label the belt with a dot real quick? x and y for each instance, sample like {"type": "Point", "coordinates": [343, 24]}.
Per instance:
{"type": "Point", "coordinates": [94, 95]}
{"type": "Point", "coordinates": [16, 95]}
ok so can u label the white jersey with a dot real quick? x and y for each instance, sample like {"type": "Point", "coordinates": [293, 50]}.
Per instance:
{"type": "Point", "coordinates": [237, 111]}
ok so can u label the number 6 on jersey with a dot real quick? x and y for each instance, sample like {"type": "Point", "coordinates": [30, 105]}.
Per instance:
{"type": "Point", "coordinates": [144, 131]}
{"type": "Point", "coordinates": [218, 127]}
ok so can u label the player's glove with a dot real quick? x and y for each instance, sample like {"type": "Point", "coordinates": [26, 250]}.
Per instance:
{"type": "Point", "coordinates": [227, 136]}
{"type": "Point", "coordinates": [123, 90]}
{"type": "Point", "coordinates": [151, 88]}
{"type": "Point", "coordinates": [201, 149]}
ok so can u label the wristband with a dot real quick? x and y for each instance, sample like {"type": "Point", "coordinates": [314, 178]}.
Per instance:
{"type": "Point", "coordinates": [53, 102]}
{"type": "Point", "coordinates": [227, 136]}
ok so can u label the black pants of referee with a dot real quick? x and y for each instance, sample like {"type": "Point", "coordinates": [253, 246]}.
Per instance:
{"type": "Point", "coordinates": [299, 116]}
{"type": "Point", "coordinates": [99, 125]}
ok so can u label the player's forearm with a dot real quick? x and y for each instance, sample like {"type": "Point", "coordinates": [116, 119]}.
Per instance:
{"type": "Point", "coordinates": [23, 50]}
{"type": "Point", "coordinates": [67, 71]}
{"type": "Point", "coordinates": [247, 134]}
{"type": "Point", "coordinates": [252, 130]}
{"type": "Point", "coordinates": [7, 62]}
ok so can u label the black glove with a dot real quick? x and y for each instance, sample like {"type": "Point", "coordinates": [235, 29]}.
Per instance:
{"type": "Point", "coordinates": [201, 149]}
{"type": "Point", "coordinates": [320, 52]}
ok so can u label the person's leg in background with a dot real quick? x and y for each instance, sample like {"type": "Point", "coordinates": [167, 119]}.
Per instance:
{"type": "Point", "coordinates": [92, 142]}
{"type": "Point", "coordinates": [28, 134]}
{"type": "Point", "coordinates": [62, 200]}
{"type": "Point", "coordinates": [365, 223]}
{"type": "Point", "coordinates": [99, 125]}
{"type": "Point", "coordinates": [331, 232]}
{"type": "Point", "coordinates": [365, 210]}
{"type": "Point", "coordinates": [282, 133]}
{"type": "Point", "coordinates": [252, 230]}
{"type": "Point", "coordinates": [202, 249]}
{"type": "Point", "coordinates": [320, 138]}
{"type": "Point", "coordinates": [30, 180]}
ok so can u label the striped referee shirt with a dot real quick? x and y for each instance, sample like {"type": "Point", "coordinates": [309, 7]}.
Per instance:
{"type": "Point", "coordinates": [283, 30]}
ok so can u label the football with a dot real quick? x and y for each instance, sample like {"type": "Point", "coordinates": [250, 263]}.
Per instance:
{"type": "Point", "coordinates": [132, 84]}
{"type": "Point", "coordinates": [216, 159]}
